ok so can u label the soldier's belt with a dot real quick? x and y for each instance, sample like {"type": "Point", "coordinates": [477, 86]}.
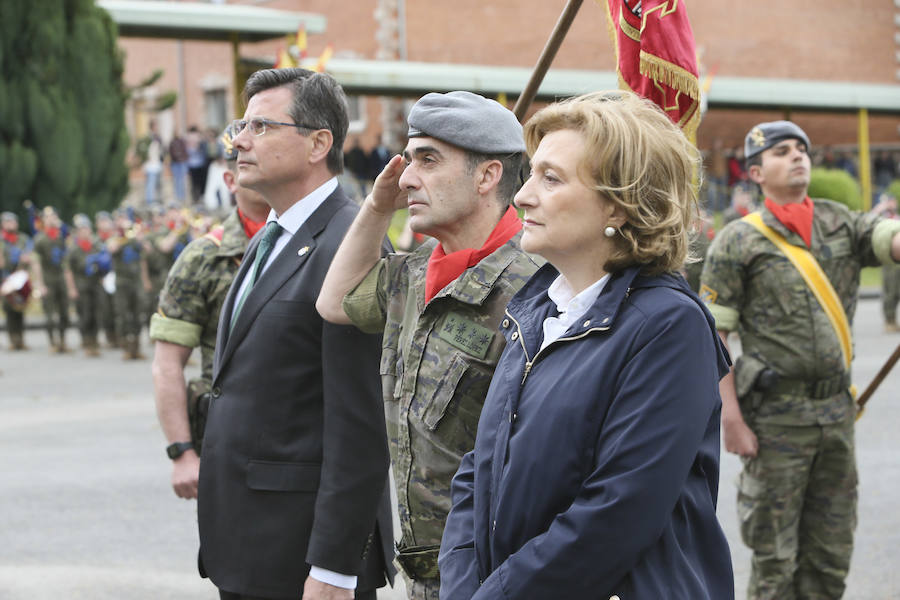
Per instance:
{"type": "Point", "coordinates": [822, 388]}
{"type": "Point", "coordinates": [418, 562]}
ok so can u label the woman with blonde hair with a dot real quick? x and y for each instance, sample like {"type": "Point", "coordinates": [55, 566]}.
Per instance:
{"type": "Point", "coordinates": [596, 463]}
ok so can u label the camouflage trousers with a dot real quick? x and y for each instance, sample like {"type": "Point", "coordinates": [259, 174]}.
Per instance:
{"type": "Point", "coordinates": [422, 589]}
{"type": "Point", "coordinates": [890, 292]}
{"type": "Point", "coordinates": [56, 306]}
{"type": "Point", "coordinates": [797, 510]}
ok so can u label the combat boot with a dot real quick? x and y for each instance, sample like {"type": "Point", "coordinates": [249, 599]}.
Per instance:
{"type": "Point", "coordinates": [91, 347]}
{"type": "Point", "coordinates": [61, 348]}
{"type": "Point", "coordinates": [54, 345]}
{"type": "Point", "coordinates": [17, 341]}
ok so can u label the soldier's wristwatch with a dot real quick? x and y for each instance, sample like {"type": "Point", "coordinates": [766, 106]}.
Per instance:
{"type": "Point", "coordinates": [178, 448]}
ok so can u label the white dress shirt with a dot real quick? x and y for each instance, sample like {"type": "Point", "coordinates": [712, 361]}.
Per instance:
{"type": "Point", "coordinates": [571, 306]}
{"type": "Point", "coordinates": [292, 219]}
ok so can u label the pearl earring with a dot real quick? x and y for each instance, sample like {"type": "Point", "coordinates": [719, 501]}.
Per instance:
{"type": "Point", "coordinates": [609, 231]}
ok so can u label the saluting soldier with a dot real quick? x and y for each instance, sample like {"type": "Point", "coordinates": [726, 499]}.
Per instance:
{"type": "Point", "coordinates": [188, 316]}
{"type": "Point", "coordinates": [787, 408]}
{"type": "Point", "coordinates": [440, 306]}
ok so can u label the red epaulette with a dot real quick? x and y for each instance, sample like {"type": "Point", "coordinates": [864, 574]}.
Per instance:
{"type": "Point", "coordinates": [215, 235]}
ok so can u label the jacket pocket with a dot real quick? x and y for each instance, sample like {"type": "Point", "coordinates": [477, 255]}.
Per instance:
{"type": "Point", "coordinates": [267, 475]}
{"type": "Point", "coordinates": [444, 392]}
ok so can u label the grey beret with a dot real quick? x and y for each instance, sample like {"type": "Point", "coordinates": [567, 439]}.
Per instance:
{"type": "Point", "coordinates": [467, 121]}
{"type": "Point", "coordinates": [765, 135]}
{"type": "Point", "coordinates": [9, 216]}
{"type": "Point", "coordinates": [229, 153]}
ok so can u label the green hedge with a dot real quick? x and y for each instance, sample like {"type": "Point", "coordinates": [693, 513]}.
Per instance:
{"type": "Point", "coordinates": [837, 185]}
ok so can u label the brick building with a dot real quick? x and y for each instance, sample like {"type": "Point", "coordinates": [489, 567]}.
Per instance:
{"type": "Point", "coordinates": [764, 46]}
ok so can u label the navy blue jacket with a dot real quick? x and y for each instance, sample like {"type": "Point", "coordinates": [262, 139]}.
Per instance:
{"type": "Point", "coordinates": [596, 464]}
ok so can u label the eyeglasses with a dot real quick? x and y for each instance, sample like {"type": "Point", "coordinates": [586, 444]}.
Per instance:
{"type": "Point", "coordinates": [258, 126]}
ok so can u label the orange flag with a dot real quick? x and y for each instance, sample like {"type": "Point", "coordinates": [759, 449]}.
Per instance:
{"type": "Point", "coordinates": [301, 42]}
{"type": "Point", "coordinates": [656, 56]}
{"type": "Point", "coordinates": [324, 58]}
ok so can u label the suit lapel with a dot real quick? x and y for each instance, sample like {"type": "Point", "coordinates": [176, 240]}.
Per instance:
{"type": "Point", "coordinates": [293, 256]}
{"type": "Point", "coordinates": [224, 326]}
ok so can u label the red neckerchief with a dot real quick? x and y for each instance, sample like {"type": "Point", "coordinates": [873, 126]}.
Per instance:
{"type": "Point", "coordinates": [104, 235]}
{"type": "Point", "coordinates": [796, 216]}
{"type": "Point", "coordinates": [52, 233]}
{"type": "Point", "coordinates": [85, 244]}
{"type": "Point", "coordinates": [444, 268]}
{"type": "Point", "coordinates": [11, 236]}
{"type": "Point", "coordinates": [250, 226]}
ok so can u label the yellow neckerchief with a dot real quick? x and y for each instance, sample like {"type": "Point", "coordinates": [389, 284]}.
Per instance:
{"type": "Point", "coordinates": [817, 281]}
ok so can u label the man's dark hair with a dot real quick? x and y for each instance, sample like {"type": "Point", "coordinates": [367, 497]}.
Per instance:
{"type": "Point", "coordinates": [318, 102]}
{"type": "Point", "coordinates": [755, 160]}
{"type": "Point", "coordinates": [510, 181]}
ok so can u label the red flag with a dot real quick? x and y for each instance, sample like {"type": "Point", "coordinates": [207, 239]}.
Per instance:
{"type": "Point", "coordinates": [656, 56]}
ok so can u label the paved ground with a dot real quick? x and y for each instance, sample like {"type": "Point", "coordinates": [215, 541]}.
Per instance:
{"type": "Point", "coordinates": [86, 511]}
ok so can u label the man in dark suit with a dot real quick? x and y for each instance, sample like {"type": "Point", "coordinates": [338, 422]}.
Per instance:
{"type": "Point", "coordinates": [294, 468]}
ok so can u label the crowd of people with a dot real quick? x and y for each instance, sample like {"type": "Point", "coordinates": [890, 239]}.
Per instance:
{"type": "Point", "coordinates": [109, 270]}
{"type": "Point", "coordinates": [550, 391]}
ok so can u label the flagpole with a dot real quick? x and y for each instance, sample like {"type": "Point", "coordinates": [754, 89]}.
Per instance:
{"type": "Point", "coordinates": [547, 55]}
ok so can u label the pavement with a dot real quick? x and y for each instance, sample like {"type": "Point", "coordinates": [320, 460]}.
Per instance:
{"type": "Point", "coordinates": [87, 512]}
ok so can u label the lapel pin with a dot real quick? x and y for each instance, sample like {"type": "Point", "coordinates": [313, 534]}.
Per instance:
{"type": "Point", "coordinates": [302, 250]}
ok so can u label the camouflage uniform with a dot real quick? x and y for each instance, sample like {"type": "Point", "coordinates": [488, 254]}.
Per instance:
{"type": "Point", "coordinates": [52, 254]}
{"type": "Point", "coordinates": [159, 263]}
{"type": "Point", "coordinates": [88, 268]}
{"type": "Point", "coordinates": [191, 299]}
{"type": "Point", "coordinates": [890, 292]}
{"type": "Point", "coordinates": [436, 365]}
{"type": "Point", "coordinates": [797, 497]}
{"type": "Point", "coordinates": [13, 254]}
{"type": "Point", "coordinates": [127, 300]}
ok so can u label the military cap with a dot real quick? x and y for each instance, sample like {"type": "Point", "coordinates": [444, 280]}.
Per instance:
{"type": "Point", "coordinates": [229, 152]}
{"type": "Point", "coordinates": [765, 135]}
{"type": "Point", "coordinates": [467, 121]}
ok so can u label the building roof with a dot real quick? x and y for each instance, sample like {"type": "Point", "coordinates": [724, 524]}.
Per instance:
{"type": "Point", "coordinates": [402, 78]}
{"type": "Point", "coordinates": [206, 21]}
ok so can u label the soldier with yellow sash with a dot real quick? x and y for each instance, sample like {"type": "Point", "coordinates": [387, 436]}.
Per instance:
{"type": "Point", "coordinates": [786, 280]}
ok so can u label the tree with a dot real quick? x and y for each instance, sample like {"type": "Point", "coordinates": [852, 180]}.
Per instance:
{"type": "Point", "coordinates": [62, 122]}
{"type": "Point", "coordinates": [837, 185]}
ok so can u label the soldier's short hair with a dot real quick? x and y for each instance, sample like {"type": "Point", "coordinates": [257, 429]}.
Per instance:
{"type": "Point", "coordinates": [318, 101]}
{"type": "Point", "coordinates": [636, 158]}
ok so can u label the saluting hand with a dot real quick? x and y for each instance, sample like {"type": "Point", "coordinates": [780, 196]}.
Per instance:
{"type": "Point", "coordinates": [386, 196]}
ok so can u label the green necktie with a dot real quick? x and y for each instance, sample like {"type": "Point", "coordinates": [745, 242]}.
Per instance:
{"type": "Point", "coordinates": [263, 250]}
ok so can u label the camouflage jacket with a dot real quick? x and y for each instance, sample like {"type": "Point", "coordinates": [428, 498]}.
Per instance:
{"type": "Point", "coordinates": [51, 254]}
{"type": "Point", "coordinates": [195, 290]}
{"type": "Point", "coordinates": [126, 262]}
{"type": "Point", "coordinates": [13, 253]}
{"type": "Point", "coordinates": [83, 265]}
{"type": "Point", "coordinates": [436, 364]}
{"type": "Point", "coordinates": [750, 286]}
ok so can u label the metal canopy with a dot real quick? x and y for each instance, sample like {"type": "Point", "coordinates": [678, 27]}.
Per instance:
{"type": "Point", "coordinates": [204, 21]}
{"type": "Point", "coordinates": [411, 79]}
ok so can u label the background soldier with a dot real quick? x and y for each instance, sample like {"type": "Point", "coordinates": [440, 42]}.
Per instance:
{"type": "Point", "coordinates": [439, 307]}
{"type": "Point", "coordinates": [132, 283]}
{"type": "Point", "coordinates": [50, 284]}
{"type": "Point", "coordinates": [169, 237]}
{"type": "Point", "coordinates": [787, 410]}
{"type": "Point", "coordinates": [106, 229]}
{"type": "Point", "coordinates": [16, 255]}
{"type": "Point", "coordinates": [890, 274]}
{"type": "Point", "coordinates": [87, 262]}
{"type": "Point", "coordinates": [188, 317]}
